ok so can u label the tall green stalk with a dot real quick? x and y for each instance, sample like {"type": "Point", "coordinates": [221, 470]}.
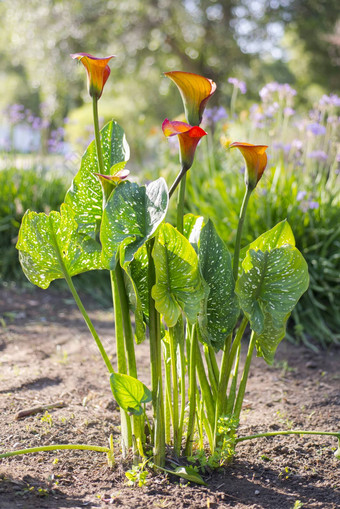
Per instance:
{"type": "Point", "coordinates": [239, 231]}
{"type": "Point", "coordinates": [156, 366]}
{"type": "Point", "coordinates": [180, 204]}
{"type": "Point", "coordinates": [244, 379]}
{"type": "Point", "coordinates": [125, 420]}
{"type": "Point", "coordinates": [97, 135]}
{"type": "Point", "coordinates": [192, 393]}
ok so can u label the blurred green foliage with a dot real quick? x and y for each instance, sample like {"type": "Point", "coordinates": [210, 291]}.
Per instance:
{"type": "Point", "coordinates": [21, 190]}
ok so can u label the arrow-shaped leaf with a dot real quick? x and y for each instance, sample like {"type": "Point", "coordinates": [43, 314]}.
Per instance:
{"type": "Point", "coordinates": [220, 310]}
{"type": "Point", "coordinates": [268, 290]}
{"type": "Point", "coordinates": [178, 281]}
{"type": "Point", "coordinates": [49, 246]}
{"type": "Point", "coordinates": [131, 216]}
{"type": "Point", "coordinates": [129, 393]}
{"type": "Point", "coordinates": [85, 194]}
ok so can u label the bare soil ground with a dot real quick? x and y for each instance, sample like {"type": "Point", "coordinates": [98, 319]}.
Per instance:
{"type": "Point", "coordinates": [47, 355]}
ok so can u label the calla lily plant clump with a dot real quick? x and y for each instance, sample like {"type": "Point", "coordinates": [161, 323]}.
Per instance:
{"type": "Point", "coordinates": [178, 285]}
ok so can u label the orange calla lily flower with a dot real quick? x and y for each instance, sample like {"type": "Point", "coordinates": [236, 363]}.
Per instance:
{"type": "Point", "coordinates": [195, 91]}
{"type": "Point", "coordinates": [188, 137]}
{"type": "Point", "coordinates": [256, 161]}
{"type": "Point", "coordinates": [97, 72]}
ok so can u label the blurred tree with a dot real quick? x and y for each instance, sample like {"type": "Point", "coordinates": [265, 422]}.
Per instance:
{"type": "Point", "coordinates": [217, 38]}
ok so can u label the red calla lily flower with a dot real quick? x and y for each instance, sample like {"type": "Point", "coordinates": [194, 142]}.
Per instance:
{"type": "Point", "coordinates": [256, 161]}
{"type": "Point", "coordinates": [188, 137]}
{"type": "Point", "coordinates": [195, 91]}
{"type": "Point", "coordinates": [97, 72]}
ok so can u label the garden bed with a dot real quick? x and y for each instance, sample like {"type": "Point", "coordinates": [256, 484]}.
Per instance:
{"type": "Point", "coordinates": [47, 355]}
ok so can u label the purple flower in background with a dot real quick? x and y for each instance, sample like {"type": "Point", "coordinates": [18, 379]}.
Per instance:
{"type": "Point", "coordinates": [297, 144]}
{"type": "Point", "coordinates": [256, 116]}
{"type": "Point", "coordinates": [332, 100]}
{"type": "Point", "coordinates": [214, 115]}
{"type": "Point", "coordinates": [319, 155]}
{"type": "Point", "coordinates": [333, 119]}
{"type": "Point", "coordinates": [289, 112]}
{"type": "Point", "coordinates": [300, 196]}
{"type": "Point", "coordinates": [238, 84]}
{"type": "Point", "coordinates": [284, 91]}
{"type": "Point", "coordinates": [316, 129]}
{"type": "Point", "coordinates": [309, 205]}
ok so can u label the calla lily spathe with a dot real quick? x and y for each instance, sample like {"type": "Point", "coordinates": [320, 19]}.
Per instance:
{"type": "Point", "coordinates": [256, 161]}
{"type": "Point", "coordinates": [109, 182]}
{"type": "Point", "coordinates": [195, 91]}
{"type": "Point", "coordinates": [188, 137]}
{"type": "Point", "coordinates": [97, 70]}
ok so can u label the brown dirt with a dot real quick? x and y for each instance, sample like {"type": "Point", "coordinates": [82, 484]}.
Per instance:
{"type": "Point", "coordinates": [47, 355]}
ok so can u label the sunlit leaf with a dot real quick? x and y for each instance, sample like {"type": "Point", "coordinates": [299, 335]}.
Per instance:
{"type": "Point", "coordinates": [129, 393]}
{"type": "Point", "coordinates": [278, 236]}
{"type": "Point", "coordinates": [192, 226]}
{"type": "Point", "coordinates": [178, 282]}
{"type": "Point", "coordinates": [268, 289]}
{"type": "Point", "coordinates": [188, 473]}
{"type": "Point", "coordinates": [85, 194]}
{"type": "Point", "coordinates": [220, 309]}
{"type": "Point", "coordinates": [49, 246]}
{"type": "Point", "coordinates": [131, 217]}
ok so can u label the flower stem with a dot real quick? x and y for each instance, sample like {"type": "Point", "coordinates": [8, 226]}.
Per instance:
{"type": "Point", "coordinates": [56, 447]}
{"type": "Point", "coordinates": [80, 304]}
{"type": "Point", "coordinates": [289, 432]}
{"type": "Point", "coordinates": [156, 367]}
{"type": "Point", "coordinates": [175, 416]}
{"type": "Point", "coordinates": [192, 393]}
{"type": "Point", "coordinates": [244, 379]}
{"type": "Point", "coordinates": [239, 231]}
{"type": "Point", "coordinates": [125, 420]}
{"type": "Point", "coordinates": [97, 136]}
{"type": "Point", "coordinates": [176, 182]}
{"type": "Point", "coordinates": [180, 204]}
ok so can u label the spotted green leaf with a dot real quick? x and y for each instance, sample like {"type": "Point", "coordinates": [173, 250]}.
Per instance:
{"type": "Point", "coordinates": [85, 195]}
{"type": "Point", "coordinates": [278, 236]}
{"type": "Point", "coordinates": [129, 393]}
{"type": "Point", "coordinates": [178, 281]}
{"type": "Point", "coordinates": [268, 289]}
{"type": "Point", "coordinates": [131, 217]}
{"type": "Point", "coordinates": [50, 246]}
{"type": "Point", "coordinates": [220, 308]}
{"type": "Point", "coordinates": [192, 226]}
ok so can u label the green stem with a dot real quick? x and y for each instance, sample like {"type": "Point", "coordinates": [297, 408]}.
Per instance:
{"type": "Point", "coordinates": [244, 379]}
{"type": "Point", "coordinates": [205, 388]}
{"type": "Point", "coordinates": [130, 350]}
{"type": "Point", "coordinates": [180, 204]}
{"type": "Point", "coordinates": [180, 340]}
{"type": "Point", "coordinates": [289, 432]}
{"type": "Point", "coordinates": [175, 416]}
{"type": "Point", "coordinates": [222, 384]}
{"type": "Point", "coordinates": [80, 304]}
{"type": "Point", "coordinates": [125, 420]}
{"type": "Point", "coordinates": [192, 393]}
{"type": "Point", "coordinates": [156, 367]}
{"type": "Point", "coordinates": [56, 447]}
{"type": "Point", "coordinates": [168, 416]}
{"type": "Point", "coordinates": [232, 393]}
{"type": "Point", "coordinates": [89, 323]}
{"type": "Point", "coordinates": [211, 373]}
{"type": "Point", "coordinates": [239, 231]}
{"type": "Point", "coordinates": [128, 334]}
{"type": "Point", "coordinates": [97, 136]}
{"type": "Point", "coordinates": [176, 182]}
